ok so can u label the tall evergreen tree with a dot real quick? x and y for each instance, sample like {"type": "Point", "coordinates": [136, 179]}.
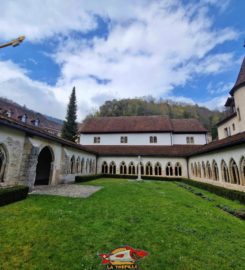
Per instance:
{"type": "Point", "coordinates": [69, 129]}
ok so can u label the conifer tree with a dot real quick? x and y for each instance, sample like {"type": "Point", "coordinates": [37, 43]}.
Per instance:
{"type": "Point", "coordinates": [69, 129]}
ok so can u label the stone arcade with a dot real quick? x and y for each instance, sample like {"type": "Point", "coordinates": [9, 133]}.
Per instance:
{"type": "Point", "coordinates": [156, 145]}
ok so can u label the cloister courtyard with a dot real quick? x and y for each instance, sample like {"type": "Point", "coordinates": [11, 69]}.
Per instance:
{"type": "Point", "coordinates": [177, 228]}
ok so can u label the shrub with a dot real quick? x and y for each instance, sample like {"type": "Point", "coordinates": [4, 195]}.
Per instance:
{"type": "Point", "coordinates": [227, 193]}
{"type": "Point", "coordinates": [13, 194]}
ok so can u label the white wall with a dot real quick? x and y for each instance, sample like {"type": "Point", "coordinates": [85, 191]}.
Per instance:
{"type": "Point", "coordinates": [181, 138]}
{"type": "Point", "coordinates": [141, 139]}
{"type": "Point", "coordinates": [133, 139]}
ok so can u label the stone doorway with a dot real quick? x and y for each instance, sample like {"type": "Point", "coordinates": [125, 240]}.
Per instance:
{"type": "Point", "coordinates": [44, 167]}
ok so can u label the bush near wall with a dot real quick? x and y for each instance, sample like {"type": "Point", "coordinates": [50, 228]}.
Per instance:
{"type": "Point", "coordinates": [13, 194]}
{"type": "Point", "coordinates": [227, 193]}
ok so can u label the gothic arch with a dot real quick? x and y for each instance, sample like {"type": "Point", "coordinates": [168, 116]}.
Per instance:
{"type": "Point", "coordinates": [242, 170]}
{"type": "Point", "coordinates": [225, 172]}
{"type": "Point", "coordinates": [234, 172]}
{"type": "Point", "coordinates": [199, 171]}
{"type": "Point", "coordinates": [82, 165]}
{"type": "Point", "coordinates": [209, 170]}
{"type": "Point", "coordinates": [148, 169]}
{"type": "Point", "coordinates": [169, 169]}
{"type": "Point", "coordinates": [158, 169]}
{"type": "Point", "coordinates": [178, 169]}
{"type": "Point", "coordinates": [131, 168]}
{"type": "Point", "coordinates": [215, 170]}
{"type": "Point", "coordinates": [44, 166]}
{"type": "Point", "coordinates": [3, 162]}
{"type": "Point", "coordinates": [123, 168]}
{"type": "Point", "coordinates": [87, 166]}
{"type": "Point", "coordinates": [195, 169]}
{"type": "Point", "coordinates": [72, 164]}
{"type": "Point", "coordinates": [204, 171]}
{"type": "Point", "coordinates": [112, 168]}
{"type": "Point", "coordinates": [104, 168]}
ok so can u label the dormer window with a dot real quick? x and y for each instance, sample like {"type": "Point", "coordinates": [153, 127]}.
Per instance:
{"type": "Point", "coordinates": [124, 139]}
{"type": "Point", "coordinates": [36, 122]}
{"type": "Point", "coordinates": [8, 113]}
{"type": "Point", "coordinates": [23, 118]}
{"type": "Point", "coordinates": [190, 140]}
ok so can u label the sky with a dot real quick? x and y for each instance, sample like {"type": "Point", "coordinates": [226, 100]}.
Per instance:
{"type": "Point", "coordinates": [188, 51]}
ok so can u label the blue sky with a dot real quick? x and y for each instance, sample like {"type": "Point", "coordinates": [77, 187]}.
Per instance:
{"type": "Point", "coordinates": [189, 51]}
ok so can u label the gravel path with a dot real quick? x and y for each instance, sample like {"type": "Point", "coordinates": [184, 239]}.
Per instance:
{"type": "Point", "coordinates": [67, 190]}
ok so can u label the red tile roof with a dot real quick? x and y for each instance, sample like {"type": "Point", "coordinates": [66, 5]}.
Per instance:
{"type": "Point", "coordinates": [240, 78]}
{"type": "Point", "coordinates": [234, 140]}
{"type": "Point", "coordinates": [187, 125]}
{"type": "Point", "coordinates": [18, 111]}
{"type": "Point", "coordinates": [131, 124]}
{"type": "Point", "coordinates": [37, 131]}
{"type": "Point", "coordinates": [164, 151]}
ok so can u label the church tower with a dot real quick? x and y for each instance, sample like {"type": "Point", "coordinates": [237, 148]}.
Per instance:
{"type": "Point", "coordinates": [235, 121]}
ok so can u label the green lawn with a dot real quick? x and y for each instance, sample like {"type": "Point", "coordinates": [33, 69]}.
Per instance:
{"type": "Point", "coordinates": [179, 229]}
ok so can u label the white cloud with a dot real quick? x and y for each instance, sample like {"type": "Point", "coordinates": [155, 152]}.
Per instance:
{"type": "Point", "coordinates": [151, 47]}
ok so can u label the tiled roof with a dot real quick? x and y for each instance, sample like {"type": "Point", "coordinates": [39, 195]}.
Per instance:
{"type": "Point", "coordinates": [234, 140]}
{"type": "Point", "coordinates": [164, 151]}
{"type": "Point", "coordinates": [187, 125]}
{"type": "Point", "coordinates": [228, 117]}
{"type": "Point", "coordinates": [130, 124]}
{"type": "Point", "coordinates": [18, 111]}
{"type": "Point", "coordinates": [240, 78]}
{"type": "Point", "coordinates": [37, 131]}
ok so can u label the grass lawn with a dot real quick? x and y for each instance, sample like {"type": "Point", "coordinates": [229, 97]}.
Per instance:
{"type": "Point", "coordinates": [179, 229]}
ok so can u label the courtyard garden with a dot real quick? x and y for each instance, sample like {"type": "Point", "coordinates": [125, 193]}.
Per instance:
{"type": "Point", "coordinates": [178, 229]}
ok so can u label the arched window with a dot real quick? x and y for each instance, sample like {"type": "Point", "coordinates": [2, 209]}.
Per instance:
{"type": "Point", "coordinates": [199, 171]}
{"type": "Point", "coordinates": [215, 171]}
{"type": "Point", "coordinates": [178, 169]}
{"type": "Point", "coordinates": [82, 165]}
{"type": "Point", "coordinates": [158, 169]}
{"type": "Point", "coordinates": [242, 168]}
{"type": "Point", "coordinates": [209, 171]}
{"type": "Point", "coordinates": [123, 168]}
{"type": "Point", "coordinates": [3, 162]}
{"type": "Point", "coordinates": [112, 168]}
{"type": "Point", "coordinates": [195, 169]}
{"type": "Point", "coordinates": [72, 166]}
{"type": "Point", "coordinates": [148, 169]}
{"type": "Point", "coordinates": [204, 170]}
{"type": "Point", "coordinates": [78, 165]}
{"type": "Point", "coordinates": [131, 168]}
{"type": "Point", "coordinates": [225, 172]}
{"type": "Point", "coordinates": [235, 179]}
{"type": "Point", "coordinates": [93, 166]}
{"type": "Point", "coordinates": [104, 168]}
{"type": "Point", "coordinates": [169, 169]}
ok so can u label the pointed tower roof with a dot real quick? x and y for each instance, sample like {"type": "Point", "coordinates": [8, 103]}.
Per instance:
{"type": "Point", "coordinates": [240, 78]}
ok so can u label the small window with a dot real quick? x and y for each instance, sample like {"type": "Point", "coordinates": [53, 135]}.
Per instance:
{"type": "Point", "coordinates": [96, 139]}
{"type": "Point", "coordinates": [153, 139]}
{"type": "Point", "coordinates": [239, 114]}
{"type": "Point", "coordinates": [190, 140]}
{"type": "Point", "coordinates": [226, 132]}
{"type": "Point", "coordinates": [124, 139]}
{"type": "Point", "coordinates": [233, 126]}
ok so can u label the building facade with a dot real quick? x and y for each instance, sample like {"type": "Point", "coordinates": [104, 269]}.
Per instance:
{"type": "Point", "coordinates": [146, 145]}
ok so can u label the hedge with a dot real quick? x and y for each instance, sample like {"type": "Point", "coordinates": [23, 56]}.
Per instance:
{"type": "Point", "coordinates": [227, 193]}
{"type": "Point", "coordinates": [13, 194]}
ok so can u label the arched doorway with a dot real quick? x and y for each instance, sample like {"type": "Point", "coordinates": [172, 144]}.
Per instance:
{"type": "Point", "coordinates": [44, 164]}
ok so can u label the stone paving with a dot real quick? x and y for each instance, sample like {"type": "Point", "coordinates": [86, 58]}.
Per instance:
{"type": "Point", "coordinates": [67, 190]}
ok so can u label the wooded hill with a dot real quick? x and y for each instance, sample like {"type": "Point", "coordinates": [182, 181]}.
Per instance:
{"type": "Point", "coordinates": [151, 106]}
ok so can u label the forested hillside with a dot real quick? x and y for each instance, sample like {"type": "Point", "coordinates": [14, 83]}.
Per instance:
{"type": "Point", "coordinates": [150, 106]}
